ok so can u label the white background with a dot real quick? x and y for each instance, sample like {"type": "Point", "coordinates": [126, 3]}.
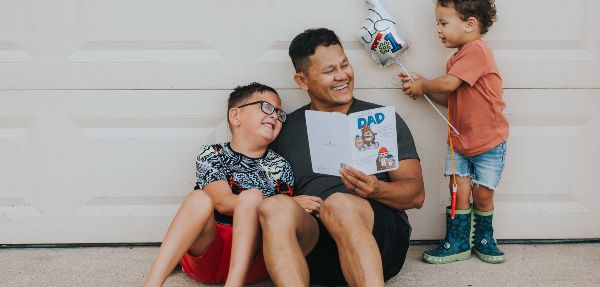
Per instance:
{"type": "Point", "coordinates": [105, 103]}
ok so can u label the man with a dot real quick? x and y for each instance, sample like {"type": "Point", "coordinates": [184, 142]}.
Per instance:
{"type": "Point", "coordinates": [342, 230]}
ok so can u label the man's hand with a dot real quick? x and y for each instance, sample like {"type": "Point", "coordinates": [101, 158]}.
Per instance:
{"type": "Point", "coordinates": [359, 183]}
{"type": "Point", "coordinates": [312, 204]}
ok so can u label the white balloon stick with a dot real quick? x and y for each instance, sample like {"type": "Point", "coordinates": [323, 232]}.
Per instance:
{"type": "Point", "coordinates": [426, 97]}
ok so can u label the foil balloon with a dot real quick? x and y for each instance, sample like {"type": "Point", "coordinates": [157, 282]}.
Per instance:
{"type": "Point", "coordinates": [381, 36]}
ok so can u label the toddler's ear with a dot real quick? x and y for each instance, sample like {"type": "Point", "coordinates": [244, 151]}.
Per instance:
{"type": "Point", "coordinates": [472, 24]}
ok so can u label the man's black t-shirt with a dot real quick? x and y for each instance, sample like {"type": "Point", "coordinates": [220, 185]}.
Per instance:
{"type": "Point", "coordinates": [292, 144]}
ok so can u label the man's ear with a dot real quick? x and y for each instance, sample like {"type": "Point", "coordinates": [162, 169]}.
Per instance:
{"type": "Point", "coordinates": [471, 24]}
{"type": "Point", "coordinates": [300, 79]}
{"type": "Point", "coordinates": [234, 117]}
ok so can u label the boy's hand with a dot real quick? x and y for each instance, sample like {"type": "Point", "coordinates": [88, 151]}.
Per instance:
{"type": "Point", "coordinates": [312, 204]}
{"type": "Point", "coordinates": [410, 88]}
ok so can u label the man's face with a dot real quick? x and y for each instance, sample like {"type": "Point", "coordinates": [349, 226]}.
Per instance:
{"type": "Point", "coordinates": [329, 78]}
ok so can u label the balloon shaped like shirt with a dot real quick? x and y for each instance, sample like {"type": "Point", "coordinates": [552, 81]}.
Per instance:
{"type": "Point", "coordinates": [381, 36]}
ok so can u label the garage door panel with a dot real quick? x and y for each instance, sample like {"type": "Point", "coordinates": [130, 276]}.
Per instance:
{"type": "Point", "coordinates": [195, 45]}
{"type": "Point", "coordinates": [550, 166]}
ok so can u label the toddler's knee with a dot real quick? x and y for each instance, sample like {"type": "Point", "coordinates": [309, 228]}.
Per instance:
{"type": "Point", "coordinates": [482, 195]}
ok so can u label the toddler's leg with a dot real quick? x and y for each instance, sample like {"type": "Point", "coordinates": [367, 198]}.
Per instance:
{"type": "Point", "coordinates": [485, 246]}
{"type": "Point", "coordinates": [463, 195]}
{"type": "Point", "coordinates": [483, 198]}
{"type": "Point", "coordinates": [192, 229]}
{"type": "Point", "coordinates": [245, 236]}
{"type": "Point", "coordinates": [456, 244]}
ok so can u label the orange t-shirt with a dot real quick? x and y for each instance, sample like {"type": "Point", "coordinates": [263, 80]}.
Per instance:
{"type": "Point", "coordinates": [476, 106]}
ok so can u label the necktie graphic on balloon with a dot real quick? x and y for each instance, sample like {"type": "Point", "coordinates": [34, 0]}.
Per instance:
{"type": "Point", "coordinates": [380, 35]}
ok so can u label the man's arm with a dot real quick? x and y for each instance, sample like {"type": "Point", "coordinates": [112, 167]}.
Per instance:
{"type": "Point", "coordinates": [405, 191]}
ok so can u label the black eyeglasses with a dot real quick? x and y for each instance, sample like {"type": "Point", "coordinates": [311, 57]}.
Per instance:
{"type": "Point", "coordinates": [268, 109]}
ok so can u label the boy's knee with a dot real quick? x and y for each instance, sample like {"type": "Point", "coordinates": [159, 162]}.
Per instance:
{"type": "Point", "coordinates": [198, 200]}
{"type": "Point", "coordinates": [252, 195]}
{"type": "Point", "coordinates": [275, 208]}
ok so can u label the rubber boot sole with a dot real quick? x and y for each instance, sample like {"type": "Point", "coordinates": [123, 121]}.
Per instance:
{"type": "Point", "coordinates": [489, 258]}
{"type": "Point", "coordinates": [446, 259]}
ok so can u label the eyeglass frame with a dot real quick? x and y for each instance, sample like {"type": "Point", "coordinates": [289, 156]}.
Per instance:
{"type": "Point", "coordinates": [279, 112]}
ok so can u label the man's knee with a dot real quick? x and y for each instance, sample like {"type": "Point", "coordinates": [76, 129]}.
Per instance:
{"type": "Point", "coordinates": [342, 209]}
{"type": "Point", "coordinates": [275, 211]}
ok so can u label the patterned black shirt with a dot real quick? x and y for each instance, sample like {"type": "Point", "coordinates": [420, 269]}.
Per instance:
{"type": "Point", "coordinates": [271, 173]}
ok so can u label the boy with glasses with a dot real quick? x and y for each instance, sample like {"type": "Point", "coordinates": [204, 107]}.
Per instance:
{"type": "Point", "coordinates": [215, 233]}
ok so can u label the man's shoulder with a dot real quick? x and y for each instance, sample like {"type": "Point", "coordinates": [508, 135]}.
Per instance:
{"type": "Point", "coordinates": [360, 105]}
{"type": "Point", "coordinates": [297, 114]}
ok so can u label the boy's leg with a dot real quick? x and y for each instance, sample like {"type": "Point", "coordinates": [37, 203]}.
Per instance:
{"type": "Point", "coordinates": [349, 219]}
{"type": "Point", "coordinates": [289, 233]}
{"type": "Point", "coordinates": [245, 236]}
{"type": "Point", "coordinates": [192, 229]}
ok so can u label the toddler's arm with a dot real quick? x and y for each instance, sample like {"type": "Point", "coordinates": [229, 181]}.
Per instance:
{"type": "Point", "coordinates": [437, 89]}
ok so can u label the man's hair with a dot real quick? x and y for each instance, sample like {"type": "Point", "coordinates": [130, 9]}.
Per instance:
{"type": "Point", "coordinates": [240, 93]}
{"type": "Point", "coordinates": [305, 44]}
{"type": "Point", "coordinates": [483, 10]}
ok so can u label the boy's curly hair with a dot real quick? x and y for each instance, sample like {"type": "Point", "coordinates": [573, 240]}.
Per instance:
{"type": "Point", "coordinates": [483, 10]}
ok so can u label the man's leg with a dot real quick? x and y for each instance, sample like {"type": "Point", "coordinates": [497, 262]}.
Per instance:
{"type": "Point", "coordinates": [289, 233]}
{"type": "Point", "coordinates": [192, 229]}
{"type": "Point", "coordinates": [349, 219]}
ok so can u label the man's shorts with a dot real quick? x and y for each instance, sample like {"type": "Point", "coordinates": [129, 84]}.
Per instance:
{"type": "Point", "coordinates": [485, 169]}
{"type": "Point", "coordinates": [212, 266]}
{"type": "Point", "coordinates": [391, 232]}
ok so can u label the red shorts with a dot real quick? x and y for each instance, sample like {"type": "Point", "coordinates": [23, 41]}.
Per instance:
{"type": "Point", "coordinates": [212, 266]}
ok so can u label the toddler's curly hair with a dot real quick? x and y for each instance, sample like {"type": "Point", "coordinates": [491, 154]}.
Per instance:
{"type": "Point", "coordinates": [483, 10]}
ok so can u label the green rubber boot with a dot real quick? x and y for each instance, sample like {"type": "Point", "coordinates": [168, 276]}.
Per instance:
{"type": "Point", "coordinates": [484, 244]}
{"type": "Point", "coordinates": [457, 243]}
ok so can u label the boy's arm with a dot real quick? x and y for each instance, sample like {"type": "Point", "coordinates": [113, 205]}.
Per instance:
{"type": "Point", "coordinates": [223, 199]}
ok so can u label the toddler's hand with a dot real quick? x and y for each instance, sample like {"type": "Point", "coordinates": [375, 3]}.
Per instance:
{"type": "Point", "coordinates": [413, 89]}
{"type": "Point", "coordinates": [405, 78]}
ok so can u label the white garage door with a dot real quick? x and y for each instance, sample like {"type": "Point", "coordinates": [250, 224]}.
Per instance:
{"type": "Point", "coordinates": [104, 104]}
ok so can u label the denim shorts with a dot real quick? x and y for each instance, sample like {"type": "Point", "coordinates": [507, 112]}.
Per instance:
{"type": "Point", "coordinates": [485, 169]}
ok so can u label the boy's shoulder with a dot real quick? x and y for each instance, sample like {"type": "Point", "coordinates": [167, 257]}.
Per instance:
{"type": "Point", "coordinates": [212, 150]}
{"type": "Point", "coordinates": [274, 158]}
